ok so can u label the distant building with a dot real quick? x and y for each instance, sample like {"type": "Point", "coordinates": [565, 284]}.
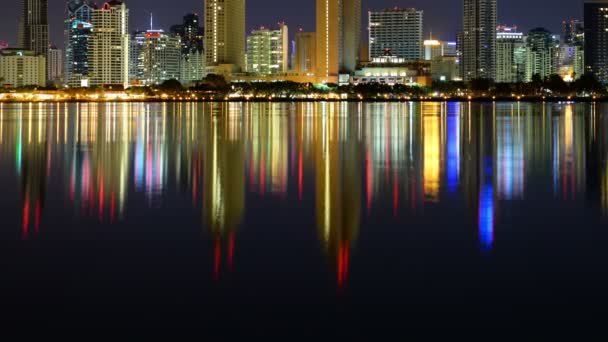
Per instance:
{"type": "Point", "coordinates": [268, 51]}
{"type": "Point", "coordinates": [55, 65]}
{"type": "Point", "coordinates": [109, 45]}
{"type": "Point", "coordinates": [20, 68]}
{"type": "Point", "coordinates": [396, 31]}
{"type": "Point", "coordinates": [306, 53]}
{"type": "Point", "coordinates": [572, 31]}
{"type": "Point", "coordinates": [542, 52]}
{"type": "Point", "coordinates": [77, 32]}
{"type": "Point", "coordinates": [479, 39]}
{"type": "Point", "coordinates": [510, 55]}
{"type": "Point", "coordinates": [136, 58]}
{"type": "Point", "coordinates": [432, 49]}
{"type": "Point", "coordinates": [161, 57]}
{"type": "Point", "coordinates": [338, 37]}
{"type": "Point", "coordinates": [446, 68]}
{"type": "Point", "coordinates": [192, 67]}
{"type": "Point", "coordinates": [596, 38]}
{"type": "Point", "coordinates": [225, 36]}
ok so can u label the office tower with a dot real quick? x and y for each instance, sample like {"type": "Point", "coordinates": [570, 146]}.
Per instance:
{"type": "Point", "coordinates": [20, 68]}
{"type": "Point", "coordinates": [542, 51]}
{"type": "Point", "coordinates": [225, 35]}
{"type": "Point", "coordinates": [268, 51]}
{"type": "Point", "coordinates": [510, 55]}
{"type": "Point", "coordinates": [161, 57]}
{"type": "Point", "coordinates": [396, 31]}
{"type": "Point", "coordinates": [479, 39]}
{"type": "Point", "coordinates": [77, 31]}
{"type": "Point", "coordinates": [33, 26]}
{"type": "Point", "coordinates": [192, 67]}
{"type": "Point", "coordinates": [572, 31]}
{"type": "Point", "coordinates": [338, 37]}
{"type": "Point", "coordinates": [306, 53]}
{"type": "Point", "coordinates": [55, 64]}
{"type": "Point", "coordinates": [596, 38]}
{"type": "Point", "coordinates": [109, 45]}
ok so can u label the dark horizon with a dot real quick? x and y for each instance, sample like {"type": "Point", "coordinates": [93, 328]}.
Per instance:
{"type": "Point", "coordinates": [523, 13]}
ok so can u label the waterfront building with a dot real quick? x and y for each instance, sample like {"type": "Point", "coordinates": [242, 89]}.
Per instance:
{"type": "Point", "coordinates": [479, 39]}
{"type": "Point", "coordinates": [77, 32]}
{"type": "Point", "coordinates": [596, 38]}
{"type": "Point", "coordinates": [510, 55]}
{"type": "Point", "coordinates": [19, 68]}
{"type": "Point", "coordinates": [393, 70]}
{"type": "Point", "coordinates": [396, 31]}
{"type": "Point", "coordinates": [306, 53]}
{"type": "Point", "coordinates": [225, 36]}
{"type": "Point", "coordinates": [338, 37]}
{"type": "Point", "coordinates": [109, 45]}
{"type": "Point", "coordinates": [192, 67]}
{"type": "Point", "coordinates": [268, 50]}
{"type": "Point", "coordinates": [136, 58]}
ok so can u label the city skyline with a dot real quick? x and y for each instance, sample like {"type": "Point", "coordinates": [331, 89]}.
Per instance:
{"type": "Point", "coordinates": [302, 15]}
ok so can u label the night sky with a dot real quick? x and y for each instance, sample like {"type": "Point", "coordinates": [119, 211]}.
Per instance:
{"type": "Point", "coordinates": [442, 17]}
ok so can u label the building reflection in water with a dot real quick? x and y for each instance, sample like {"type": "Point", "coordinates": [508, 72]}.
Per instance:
{"type": "Point", "coordinates": [224, 178]}
{"type": "Point", "coordinates": [379, 160]}
{"type": "Point", "coordinates": [338, 179]}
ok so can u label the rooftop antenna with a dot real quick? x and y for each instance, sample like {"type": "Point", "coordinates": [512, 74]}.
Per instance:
{"type": "Point", "coordinates": [151, 21]}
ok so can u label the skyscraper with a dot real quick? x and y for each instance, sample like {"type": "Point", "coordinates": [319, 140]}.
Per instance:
{"type": "Point", "coordinates": [396, 31]}
{"type": "Point", "coordinates": [510, 55]}
{"type": "Point", "coordinates": [34, 27]}
{"type": "Point", "coordinates": [109, 45]}
{"type": "Point", "coordinates": [192, 65]}
{"type": "Point", "coordinates": [479, 39]}
{"type": "Point", "coordinates": [77, 31]}
{"type": "Point", "coordinates": [338, 37]}
{"type": "Point", "coordinates": [225, 35]}
{"type": "Point", "coordinates": [161, 57]}
{"type": "Point", "coordinates": [268, 51]}
{"type": "Point", "coordinates": [596, 38]}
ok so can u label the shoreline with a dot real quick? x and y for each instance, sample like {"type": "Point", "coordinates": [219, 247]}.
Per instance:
{"type": "Point", "coordinates": [279, 100]}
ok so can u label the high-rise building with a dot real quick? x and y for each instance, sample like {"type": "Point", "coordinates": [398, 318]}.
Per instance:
{"type": "Point", "coordinates": [479, 39]}
{"type": "Point", "coordinates": [572, 31]}
{"type": "Point", "coordinates": [542, 52]}
{"type": "Point", "coordinates": [109, 45]}
{"type": "Point", "coordinates": [306, 53]}
{"type": "Point", "coordinates": [55, 64]}
{"type": "Point", "coordinates": [397, 32]}
{"type": "Point", "coordinates": [225, 35]}
{"type": "Point", "coordinates": [192, 65]}
{"type": "Point", "coordinates": [510, 55]}
{"type": "Point", "coordinates": [596, 38]}
{"type": "Point", "coordinates": [34, 26]}
{"type": "Point", "coordinates": [20, 68]}
{"type": "Point", "coordinates": [338, 37]}
{"type": "Point", "coordinates": [268, 50]}
{"type": "Point", "coordinates": [77, 31]}
{"type": "Point", "coordinates": [161, 57]}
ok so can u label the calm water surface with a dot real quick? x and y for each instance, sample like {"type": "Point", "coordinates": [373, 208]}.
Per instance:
{"type": "Point", "coordinates": [323, 218]}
